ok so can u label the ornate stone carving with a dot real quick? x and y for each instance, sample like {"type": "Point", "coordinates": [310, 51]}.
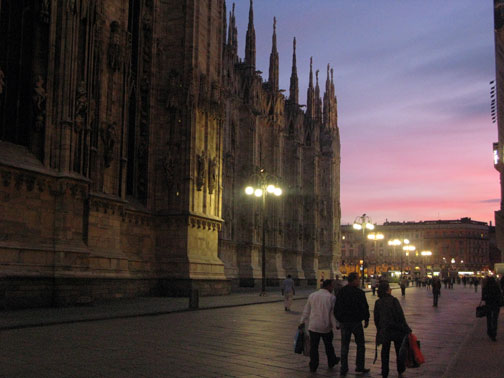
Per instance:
{"type": "Point", "coordinates": [109, 138]}
{"type": "Point", "coordinates": [18, 181]}
{"type": "Point", "coordinates": [170, 166]}
{"type": "Point", "coordinates": [215, 92]}
{"type": "Point", "coordinates": [39, 103]}
{"type": "Point", "coordinates": [203, 90]}
{"type": "Point", "coordinates": [212, 174]}
{"type": "Point", "coordinates": [201, 170]}
{"type": "Point", "coordinates": [30, 182]}
{"type": "Point", "coordinates": [81, 106]}
{"type": "Point", "coordinates": [6, 178]}
{"type": "Point", "coordinates": [114, 53]}
{"type": "Point", "coordinates": [41, 185]}
{"type": "Point", "coordinates": [174, 90]}
{"type": "Point", "coordinates": [72, 6]}
{"type": "Point", "coordinates": [45, 11]}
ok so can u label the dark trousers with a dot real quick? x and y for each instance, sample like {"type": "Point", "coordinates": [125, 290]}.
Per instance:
{"type": "Point", "coordinates": [373, 289]}
{"type": "Point", "coordinates": [436, 297]}
{"type": "Point", "coordinates": [327, 338]}
{"type": "Point", "coordinates": [385, 353]}
{"type": "Point", "coordinates": [403, 290]}
{"type": "Point", "coordinates": [492, 317]}
{"type": "Point", "coordinates": [347, 329]}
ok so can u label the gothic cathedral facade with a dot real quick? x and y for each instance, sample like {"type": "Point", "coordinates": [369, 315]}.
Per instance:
{"type": "Point", "coordinates": [128, 131]}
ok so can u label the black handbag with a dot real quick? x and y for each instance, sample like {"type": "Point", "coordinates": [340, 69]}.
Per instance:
{"type": "Point", "coordinates": [299, 341]}
{"type": "Point", "coordinates": [481, 311]}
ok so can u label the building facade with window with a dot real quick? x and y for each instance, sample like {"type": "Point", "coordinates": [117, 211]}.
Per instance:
{"type": "Point", "coordinates": [455, 245]}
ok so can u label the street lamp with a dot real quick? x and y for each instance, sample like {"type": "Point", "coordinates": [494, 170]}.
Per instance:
{"type": "Point", "coordinates": [363, 223]}
{"type": "Point", "coordinates": [264, 185]}
{"type": "Point", "coordinates": [374, 237]}
{"type": "Point", "coordinates": [425, 253]}
{"type": "Point", "coordinates": [407, 248]}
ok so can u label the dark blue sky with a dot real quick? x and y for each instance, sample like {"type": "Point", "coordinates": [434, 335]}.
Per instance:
{"type": "Point", "coordinates": [412, 80]}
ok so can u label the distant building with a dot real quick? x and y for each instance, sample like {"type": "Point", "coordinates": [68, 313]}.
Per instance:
{"type": "Point", "coordinates": [456, 245]}
{"type": "Point", "coordinates": [498, 116]}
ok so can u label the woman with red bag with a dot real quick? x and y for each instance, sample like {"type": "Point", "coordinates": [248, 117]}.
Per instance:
{"type": "Point", "coordinates": [391, 327]}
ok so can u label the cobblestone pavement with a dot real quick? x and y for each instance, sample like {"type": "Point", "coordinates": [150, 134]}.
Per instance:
{"type": "Point", "coordinates": [245, 341]}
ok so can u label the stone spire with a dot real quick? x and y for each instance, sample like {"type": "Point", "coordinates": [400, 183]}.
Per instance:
{"type": "Point", "coordinates": [318, 101]}
{"type": "Point", "coordinates": [250, 45]}
{"type": "Point", "coordinates": [310, 96]}
{"type": "Point", "coordinates": [327, 97]}
{"type": "Point", "coordinates": [333, 92]}
{"type": "Point", "coordinates": [273, 68]}
{"type": "Point", "coordinates": [294, 82]}
{"type": "Point", "coordinates": [330, 103]}
{"type": "Point", "coordinates": [233, 32]}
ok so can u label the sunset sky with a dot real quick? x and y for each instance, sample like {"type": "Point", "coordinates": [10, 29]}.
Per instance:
{"type": "Point", "coordinates": [412, 81]}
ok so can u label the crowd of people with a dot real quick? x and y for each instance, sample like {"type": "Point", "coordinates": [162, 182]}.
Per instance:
{"type": "Point", "coordinates": [345, 308]}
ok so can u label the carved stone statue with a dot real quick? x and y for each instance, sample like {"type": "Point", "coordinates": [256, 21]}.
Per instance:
{"type": "Point", "coordinates": [174, 90]}
{"type": "Point", "coordinates": [212, 174]}
{"type": "Point", "coordinates": [81, 106]}
{"type": "Point", "coordinates": [109, 138]}
{"type": "Point", "coordinates": [39, 103]}
{"type": "Point", "coordinates": [170, 167]}
{"type": "Point", "coordinates": [44, 11]}
{"type": "Point", "coordinates": [201, 170]}
{"type": "Point", "coordinates": [115, 49]}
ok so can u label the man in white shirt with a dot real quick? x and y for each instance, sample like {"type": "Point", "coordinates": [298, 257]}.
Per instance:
{"type": "Point", "coordinates": [319, 311]}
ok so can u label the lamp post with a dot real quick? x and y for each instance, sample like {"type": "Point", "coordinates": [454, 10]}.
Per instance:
{"type": "Point", "coordinates": [425, 253]}
{"type": "Point", "coordinates": [394, 243]}
{"type": "Point", "coordinates": [264, 185]}
{"type": "Point", "coordinates": [375, 236]}
{"type": "Point", "coordinates": [407, 248]}
{"type": "Point", "coordinates": [363, 223]}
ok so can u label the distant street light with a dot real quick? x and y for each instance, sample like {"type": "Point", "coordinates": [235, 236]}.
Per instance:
{"type": "Point", "coordinates": [375, 236]}
{"type": "Point", "coordinates": [407, 249]}
{"type": "Point", "coordinates": [424, 254]}
{"type": "Point", "coordinates": [363, 223]}
{"type": "Point", "coordinates": [263, 186]}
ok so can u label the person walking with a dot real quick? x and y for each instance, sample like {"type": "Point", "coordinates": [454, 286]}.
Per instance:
{"type": "Point", "coordinates": [338, 284]}
{"type": "Point", "coordinates": [350, 310]}
{"type": "Point", "coordinates": [476, 283]}
{"type": "Point", "coordinates": [436, 290]}
{"type": "Point", "coordinates": [373, 285]}
{"type": "Point", "coordinates": [391, 327]}
{"type": "Point", "coordinates": [492, 295]}
{"type": "Point", "coordinates": [288, 291]}
{"type": "Point", "coordinates": [403, 284]}
{"type": "Point", "coordinates": [318, 311]}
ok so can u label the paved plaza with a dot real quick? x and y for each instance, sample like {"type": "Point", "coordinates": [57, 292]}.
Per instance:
{"type": "Point", "coordinates": [241, 341]}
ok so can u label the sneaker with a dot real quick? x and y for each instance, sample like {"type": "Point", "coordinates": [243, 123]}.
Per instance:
{"type": "Point", "coordinates": [363, 370]}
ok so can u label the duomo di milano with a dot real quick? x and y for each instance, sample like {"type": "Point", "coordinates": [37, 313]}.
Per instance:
{"type": "Point", "coordinates": [128, 132]}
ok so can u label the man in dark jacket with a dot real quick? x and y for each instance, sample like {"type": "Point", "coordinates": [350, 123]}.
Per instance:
{"type": "Point", "coordinates": [350, 310]}
{"type": "Point", "coordinates": [436, 290]}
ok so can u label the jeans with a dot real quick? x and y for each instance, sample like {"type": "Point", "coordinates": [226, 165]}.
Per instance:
{"type": "Point", "coordinates": [327, 338]}
{"type": "Point", "coordinates": [385, 353]}
{"type": "Point", "coordinates": [347, 329]}
{"type": "Point", "coordinates": [403, 290]}
{"type": "Point", "coordinates": [492, 317]}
